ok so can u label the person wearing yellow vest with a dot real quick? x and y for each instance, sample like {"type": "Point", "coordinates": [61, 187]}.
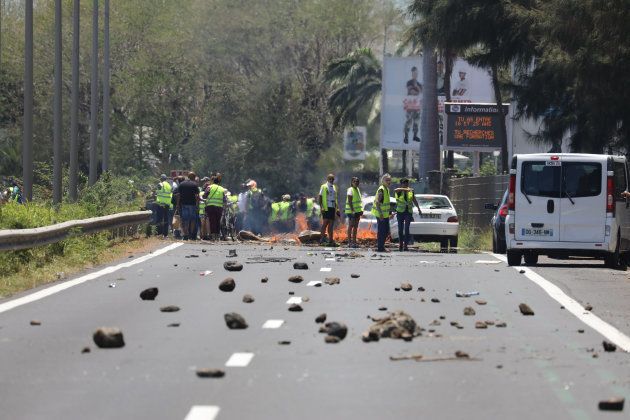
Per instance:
{"type": "Point", "coordinates": [286, 214]}
{"type": "Point", "coordinates": [354, 211]}
{"type": "Point", "coordinates": [381, 210]}
{"type": "Point", "coordinates": [405, 200]}
{"type": "Point", "coordinates": [163, 196]}
{"type": "Point", "coordinates": [215, 200]}
{"type": "Point", "coordinates": [329, 203]}
{"type": "Point", "coordinates": [307, 207]}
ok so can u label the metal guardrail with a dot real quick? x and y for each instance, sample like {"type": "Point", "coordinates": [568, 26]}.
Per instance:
{"type": "Point", "coordinates": [15, 239]}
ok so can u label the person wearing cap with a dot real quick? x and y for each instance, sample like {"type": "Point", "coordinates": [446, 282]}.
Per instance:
{"type": "Point", "coordinates": [163, 205]}
{"type": "Point", "coordinates": [329, 203]}
{"type": "Point", "coordinates": [354, 211]}
{"type": "Point", "coordinates": [256, 204]}
{"type": "Point", "coordinates": [215, 201]}
{"type": "Point", "coordinates": [405, 200]}
{"type": "Point", "coordinates": [286, 214]}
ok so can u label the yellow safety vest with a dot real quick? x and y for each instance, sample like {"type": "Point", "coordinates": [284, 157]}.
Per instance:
{"type": "Point", "coordinates": [324, 191]}
{"type": "Point", "coordinates": [165, 194]}
{"type": "Point", "coordinates": [404, 201]}
{"type": "Point", "coordinates": [384, 206]}
{"type": "Point", "coordinates": [275, 208]}
{"type": "Point", "coordinates": [284, 211]}
{"type": "Point", "coordinates": [215, 196]}
{"type": "Point", "coordinates": [356, 206]}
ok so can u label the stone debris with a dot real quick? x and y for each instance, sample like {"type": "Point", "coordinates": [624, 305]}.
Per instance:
{"type": "Point", "coordinates": [612, 404]}
{"type": "Point", "coordinates": [204, 250]}
{"type": "Point", "coordinates": [480, 302]}
{"type": "Point", "coordinates": [309, 236]}
{"type": "Point", "coordinates": [421, 289]}
{"type": "Point", "coordinates": [235, 321]}
{"type": "Point", "coordinates": [608, 346]}
{"type": "Point", "coordinates": [36, 322]}
{"type": "Point", "coordinates": [232, 266]}
{"type": "Point", "coordinates": [295, 308]}
{"type": "Point", "coordinates": [394, 325]}
{"type": "Point", "coordinates": [331, 339]}
{"type": "Point", "coordinates": [435, 323]}
{"type": "Point", "coordinates": [174, 325]}
{"type": "Point", "coordinates": [397, 289]}
{"type": "Point", "coordinates": [489, 322]}
{"type": "Point", "coordinates": [461, 355]}
{"type": "Point", "coordinates": [382, 308]}
{"type": "Point", "coordinates": [468, 311]}
{"type": "Point", "coordinates": [291, 293]}
{"type": "Point", "coordinates": [368, 336]}
{"type": "Point", "coordinates": [149, 294]}
{"type": "Point", "coordinates": [442, 317]}
{"type": "Point", "coordinates": [169, 308]}
{"type": "Point", "coordinates": [248, 298]}
{"type": "Point", "coordinates": [581, 331]}
{"type": "Point", "coordinates": [522, 271]}
{"type": "Point", "coordinates": [227, 285]}
{"type": "Point", "coordinates": [525, 309]}
{"type": "Point", "coordinates": [205, 273]}
{"type": "Point", "coordinates": [331, 281]}
{"type": "Point", "coordinates": [406, 287]}
{"type": "Point", "coordinates": [192, 256]}
{"type": "Point", "coordinates": [284, 342]}
{"type": "Point", "coordinates": [300, 266]}
{"type": "Point", "coordinates": [500, 325]}
{"type": "Point", "coordinates": [588, 307]}
{"type": "Point", "coordinates": [305, 298]}
{"type": "Point", "coordinates": [321, 318]}
{"type": "Point", "coordinates": [210, 373]}
{"type": "Point", "coordinates": [108, 338]}
{"type": "Point", "coordinates": [335, 329]}
{"type": "Point", "coordinates": [355, 276]}
{"type": "Point", "coordinates": [245, 235]}
{"type": "Point", "coordinates": [296, 279]}
{"type": "Point", "coordinates": [481, 325]}
{"type": "Point", "coordinates": [264, 280]}
{"type": "Point", "coordinates": [231, 253]}
{"type": "Point", "coordinates": [454, 323]}
{"type": "Point", "coordinates": [318, 284]}
{"type": "Point", "coordinates": [435, 300]}
{"type": "Point", "coordinates": [85, 350]}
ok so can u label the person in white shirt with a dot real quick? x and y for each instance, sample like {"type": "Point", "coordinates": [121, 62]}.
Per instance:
{"type": "Point", "coordinates": [328, 202]}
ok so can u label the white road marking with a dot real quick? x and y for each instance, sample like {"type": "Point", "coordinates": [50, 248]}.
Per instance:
{"type": "Point", "coordinates": [329, 259]}
{"type": "Point", "coordinates": [71, 283]}
{"type": "Point", "coordinates": [294, 299]}
{"type": "Point", "coordinates": [611, 333]}
{"type": "Point", "coordinates": [239, 359]}
{"type": "Point", "coordinates": [273, 323]}
{"type": "Point", "coordinates": [487, 262]}
{"type": "Point", "coordinates": [313, 283]}
{"type": "Point", "coordinates": [325, 269]}
{"type": "Point", "coordinates": [202, 412]}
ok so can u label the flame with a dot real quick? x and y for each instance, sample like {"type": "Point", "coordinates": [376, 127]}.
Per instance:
{"type": "Point", "coordinates": [300, 222]}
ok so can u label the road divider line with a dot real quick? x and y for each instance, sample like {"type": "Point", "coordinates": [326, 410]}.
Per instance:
{"type": "Point", "coordinates": [71, 283]}
{"type": "Point", "coordinates": [273, 323]}
{"type": "Point", "coordinates": [203, 412]}
{"type": "Point", "coordinates": [294, 299]}
{"type": "Point", "coordinates": [325, 269]}
{"type": "Point", "coordinates": [487, 262]}
{"type": "Point", "coordinates": [239, 359]}
{"type": "Point", "coordinates": [608, 331]}
{"type": "Point", "coordinates": [313, 283]}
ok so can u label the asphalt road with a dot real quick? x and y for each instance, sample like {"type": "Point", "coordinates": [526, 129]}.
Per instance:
{"type": "Point", "coordinates": [538, 366]}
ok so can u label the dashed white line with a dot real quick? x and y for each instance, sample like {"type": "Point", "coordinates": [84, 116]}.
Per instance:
{"type": "Point", "coordinates": [487, 262]}
{"type": "Point", "coordinates": [71, 283]}
{"type": "Point", "coordinates": [239, 359]}
{"type": "Point", "coordinates": [294, 299]}
{"type": "Point", "coordinates": [202, 412]}
{"type": "Point", "coordinates": [611, 333]}
{"type": "Point", "coordinates": [313, 283]}
{"type": "Point", "coordinates": [273, 323]}
{"type": "Point", "coordinates": [325, 269]}
{"type": "Point", "coordinates": [330, 259]}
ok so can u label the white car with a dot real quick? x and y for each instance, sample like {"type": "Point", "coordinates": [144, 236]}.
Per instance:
{"type": "Point", "coordinates": [437, 223]}
{"type": "Point", "coordinates": [368, 220]}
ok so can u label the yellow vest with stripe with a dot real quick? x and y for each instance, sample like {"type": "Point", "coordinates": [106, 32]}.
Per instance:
{"type": "Point", "coordinates": [356, 206]}
{"type": "Point", "coordinates": [165, 194]}
{"type": "Point", "coordinates": [284, 211]}
{"type": "Point", "coordinates": [384, 206]}
{"type": "Point", "coordinates": [275, 208]}
{"type": "Point", "coordinates": [215, 196]}
{"type": "Point", "coordinates": [324, 191]}
{"type": "Point", "coordinates": [404, 201]}
{"type": "Point", "coordinates": [309, 207]}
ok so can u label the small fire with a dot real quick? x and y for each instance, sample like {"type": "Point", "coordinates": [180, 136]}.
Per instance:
{"type": "Point", "coordinates": [300, 222]}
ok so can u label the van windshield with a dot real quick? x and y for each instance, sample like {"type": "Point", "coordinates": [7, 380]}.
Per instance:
{"type": "Point", "coordinates": [574, 179]}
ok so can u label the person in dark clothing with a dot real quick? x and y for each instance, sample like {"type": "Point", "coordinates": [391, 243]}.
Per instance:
{"type": "Point", "coordinates": [188, 204]}
{"type": "Point", "coordinates": [405, 200]}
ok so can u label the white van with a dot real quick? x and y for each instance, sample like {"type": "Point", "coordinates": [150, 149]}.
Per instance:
{"type": "Point", "coordinates": [567, 204]}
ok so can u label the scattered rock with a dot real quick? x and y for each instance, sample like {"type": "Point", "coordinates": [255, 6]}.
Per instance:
{"type": "Point", "coordinates": [336, 329]}
{"type": "Point", "coordinates": [595, 355]}
{"type": "Point", "coordinates": [406, 287]}
{"type": "Point", "coordinates": [296, 279]}
{"type": "Point", "coordinates": [169, 308]}
{"type": "Point", "coordinates": [149, 294]}
{"type": "Point", "coordinates": [394, 325]}
{"type": "Point", "coordinates": [295, 308]}
{"type": "Point", "coordinates": [331, 281]}
{"type": "Point", "coordinates": [481, 325]}
{"type": "Point", "coordinates": [232, 266]}
{"type": "Point", "coordinates": [331, 339]}
{"type": "Point", "coordinates": [284, 342]}
{"type": "Point", "coordinates": [459, 327]}
{"type": "Point", "coordinates": [382, 308]}
{"type": "Point", "coordinates": [613, 404]}
{"type": "Point", "coordinates": [245, 235]}
{"type": "Point", "coordinates": [36, 322]}
{"type": "Point", "coordinates": [264, 280]}
{"type": "Point", "coordinates": [368, 336]}
{"type": "Point", "coordinates": [308, 236]}
{"type": "Point", "coordinates": [588, 307]}
{"type": "Point", "coordinates": [232, 253]}
{"type": "Point", "coordinates": [320, 318]}
{"type": "Point", "coordinates": [525, 309]}
{"type": "Point", "coordinates": [397, 289]}
{"type": "Point", "coordinates": [248, 298]}
{"type": "Point", "coordinates": [489, 322]}
{"type": "Point", "coordinates": [468, 311]}
{"type": "Point", "coordinates": [435, 300]}
{"type": "Point", "coordinates": [608, 346]}
{"type": "Point", "coordinates": [305, 298]}
{"type": "Point", "coordinates": [291, 293]}
{"type": "Point", "coordinates": [421, 289]}
{"type": "Point", "coordinates": [435, 323]}
{"type": "Point", "coordinates": [406, 336]}
{"type": "Point", "coordinates": [192, 256]}
{"type": "Point", "coordinates": [501, 325]}
{"type": "Point", "coordinates": [235, 321]}
{"type": "Point", "coordinates": [300, 266]}
{"type": "Point", "coordinates": [108, 338]}
{"type": "Point", "coordinates": [210, 373]}
{"type": "Point", "coordinates": [581, 331]}
{"type": "Point", "coordinates": [227, 285]}
{"type": "Point", "coordinates": [318, 284]}
{"type": "Point", "coordinates": [522, 271]}
{"type": "Point", "coordinates": [442, 317]}
{"type": "Point", "coordinates": [174, 325]}
{"type": "Point", "coordinates": [454, 323]}
{"type": "Point", "coordinates": [355, 276]}
{"type": "Point", "coordinates": [85, 350]}
{"type": "Point", "coordinates": [461, 355]}
{"type": "Point", "coordinates": [480, 302]}
{"type": "Point", "coordinates": [422, 300]}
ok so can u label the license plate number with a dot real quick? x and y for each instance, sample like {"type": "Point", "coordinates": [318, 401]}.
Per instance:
{"type": "Point", "coordinates": [537, 232]}
{"type": "Point", "coordinates": [429, 216]}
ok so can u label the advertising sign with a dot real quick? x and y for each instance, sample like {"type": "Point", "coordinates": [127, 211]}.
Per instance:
{"type": "Point", "coordinates": [474, 126]}
{"type": "Point", "coordinates": [354, 143]}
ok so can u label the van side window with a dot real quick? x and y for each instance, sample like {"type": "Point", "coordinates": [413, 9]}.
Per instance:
{"type": "Point", "coordinates": [619, 169]}
{"type": "Point", "coordinates": [581, 179]}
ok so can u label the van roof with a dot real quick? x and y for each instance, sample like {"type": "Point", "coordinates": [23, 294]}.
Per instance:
{"type": "Point", "coordinates": [571, 156]}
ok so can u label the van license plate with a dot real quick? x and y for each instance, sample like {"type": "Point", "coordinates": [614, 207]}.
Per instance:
{"type": "Point", "coordinates": [536, 232]}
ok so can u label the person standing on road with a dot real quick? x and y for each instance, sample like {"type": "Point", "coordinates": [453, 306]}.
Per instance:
{"type": "Point", "coordinates": [354, 211]}
{"type": "Point", "coordinates": [163, 205]}
{"type": "Point", "coordinates": [215, 200]}
{"type": "Point", "coordinates": [255, 208]}
{"type": "Point", "coordinates": [187, 204]}
{"type": "Point", "coordinates": [380, 209]}
{"type": "Point", "coordinates": [329, 204]}
{"type": "Point", "coordinates": [405, 199]}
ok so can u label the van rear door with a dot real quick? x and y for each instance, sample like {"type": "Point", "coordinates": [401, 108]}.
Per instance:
{"type": "Point", "coordinates": [583, 202]}
{"type": "Point", "coordinates": [537, 199]}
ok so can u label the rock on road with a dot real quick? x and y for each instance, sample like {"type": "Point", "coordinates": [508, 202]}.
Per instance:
{"type": "Point", "coordinates": [550, 364]}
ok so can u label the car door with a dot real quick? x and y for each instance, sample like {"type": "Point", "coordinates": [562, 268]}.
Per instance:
{"type": "Point", "coordinates": [583, 202]}
{"type": "Point", "coordinates": [622, 204]}
{"type": "Point", "coordinates": [537, 199]}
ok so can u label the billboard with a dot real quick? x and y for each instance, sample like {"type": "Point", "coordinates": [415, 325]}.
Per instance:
{"type": "Point", "coordinates": [474, 126]}
{"type": "Point", "coordinates": [354, 143]}
{"type": "Point", "coordinates": [401, 103]}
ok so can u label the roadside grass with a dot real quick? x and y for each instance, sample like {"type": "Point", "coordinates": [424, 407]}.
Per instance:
{"type": "Point", "coordinates": [470, 240]}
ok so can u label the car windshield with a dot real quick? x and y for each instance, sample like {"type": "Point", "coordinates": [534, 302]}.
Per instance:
{"type": "Point", "coordinates": [433, 202]}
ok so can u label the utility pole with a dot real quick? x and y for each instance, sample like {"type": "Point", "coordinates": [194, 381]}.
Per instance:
{"type": "Point", "coordinates": [94, 98]}
{"type": "Point", "coordinates": [74, 111]}
{"type": "Point", "coordinates": [106, 68]}
{"type": "Point", "coordinates": [57, 108]}
{"type": "Point", "coordinates": [27, 142]}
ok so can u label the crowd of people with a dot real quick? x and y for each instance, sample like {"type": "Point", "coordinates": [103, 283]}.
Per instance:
{"type": "Point", "coordinates": [194, 208]}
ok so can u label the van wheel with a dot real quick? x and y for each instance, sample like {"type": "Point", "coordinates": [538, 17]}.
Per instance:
{"type": "Point", "coordinates": [514, 258]}
{"type": "Point", "coordinates": [452, 242]}
{"type": "Point", "coordinates": [531, 259]}
{"type": "Point", "coordinates": [613, 260]}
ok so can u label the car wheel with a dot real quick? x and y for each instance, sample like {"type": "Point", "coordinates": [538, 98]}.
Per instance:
{"type": "Point", "coordinates": [443, 245]}
{"type": "Point", "coordinates": [531, 259]}
{"type": "Point", "coordinates": [452, 242]}
{"type": "Point", "coordinates": [514, 258]}
{"type": "Point", "coordinates": [613, 260]}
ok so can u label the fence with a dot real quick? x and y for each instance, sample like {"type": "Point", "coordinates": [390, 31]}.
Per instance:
{"type": "Point", "coordinates": [469, 196]}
